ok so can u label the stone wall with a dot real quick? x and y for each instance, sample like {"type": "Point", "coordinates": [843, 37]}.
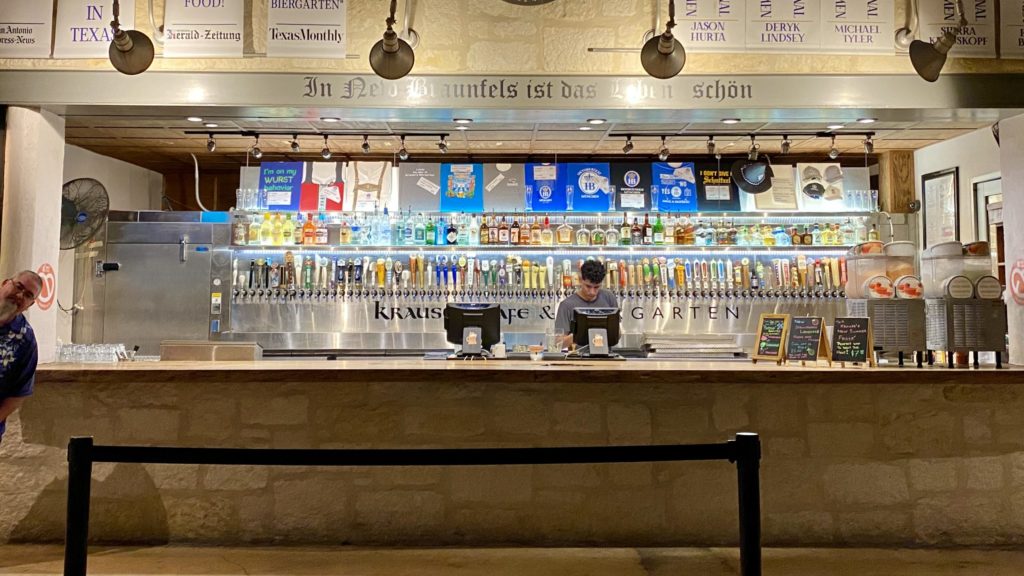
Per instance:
{"type": "Point", "coordinates": [491, 36]}
{"type": "Point", "coordinates": [888, 464]}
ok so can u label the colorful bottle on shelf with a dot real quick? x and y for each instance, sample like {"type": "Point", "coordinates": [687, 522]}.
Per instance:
{"type": "Point", "coordinates": [536, 237]}
{"type": "Point", "coordinates": [564, 233]}
{"type": "Point", "coordinates": [429, 233]}
{"type": "Point", "coordinates": [309, 231]}
{"type": "Point", "coordinates": [321, 230]}
{"type": "Point", "coordinates": [547, 236]}
{"type": "Point", "coordinates": [636, 233]}
{"type": "Point", "coordinates": [658, 230]}
{"type": "Point", "coordinates": [625, 232]}
{"type": "Point", "coordinates": [503, 232]}
{"type": "Point", "coordinates": [267, 230]}
{"type": "Point", "coordinates": [345, 233]}
{"type": "Point", "coordinates": [648, 231]}
{"type": "Point", "coordinates": [513, 231]}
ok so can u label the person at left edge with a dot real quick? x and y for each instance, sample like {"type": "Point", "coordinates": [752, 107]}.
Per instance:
{"type": "Point", "coordinates": [18, 352]}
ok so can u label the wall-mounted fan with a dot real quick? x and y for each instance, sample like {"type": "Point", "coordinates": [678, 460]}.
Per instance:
{"type": "Point", "coordinates": [83, 210]}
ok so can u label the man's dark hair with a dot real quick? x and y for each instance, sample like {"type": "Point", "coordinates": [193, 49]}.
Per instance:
{"type": "Point", "coordinates": [592, 271]}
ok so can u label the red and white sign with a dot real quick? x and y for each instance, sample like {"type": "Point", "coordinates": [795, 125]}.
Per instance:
{"type": "Point", "coordinates": [1016, 282]}
{"type": "Point", "coordinates": [48, 293]}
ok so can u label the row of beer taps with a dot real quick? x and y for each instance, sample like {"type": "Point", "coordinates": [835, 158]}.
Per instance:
{"type": "Point", "coordinates": [318, 278]}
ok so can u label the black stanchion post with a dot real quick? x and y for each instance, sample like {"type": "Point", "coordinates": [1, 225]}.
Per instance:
{"type": "Point", "coordinates": [748, 465]}
{"type": "Point", "coordinates": [79, 488]}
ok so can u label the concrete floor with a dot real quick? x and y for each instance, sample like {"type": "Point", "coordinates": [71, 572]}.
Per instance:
{"type": "Point", "coordinates": [200, 561]}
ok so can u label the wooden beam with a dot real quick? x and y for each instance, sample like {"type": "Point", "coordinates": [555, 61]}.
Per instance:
{"type": "Point", "coordinates": [896, 181]}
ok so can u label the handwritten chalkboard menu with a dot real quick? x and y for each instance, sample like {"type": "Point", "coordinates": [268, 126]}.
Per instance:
{"type": "Point", "coordinates": [770, 343]}
{"type": "Point", "coordinates": [851, 340]}
{"type": "Point", "coordinates": [806, 341]}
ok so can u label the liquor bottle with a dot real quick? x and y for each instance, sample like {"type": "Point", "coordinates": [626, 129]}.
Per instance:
{"type": "Point", "coordinates": [796, 238]}
{"type": "Point", "coordinates": [253, 238]}
{"type": "Point", "coordinates": [860, 231]}
{"type": "Point", "coordinates": [462, 236]}
{"type": "Point", "coordinates": [452, 234]}
{"type": "Point", "coordinates": [267, 230]}
{"type": "Point", "coordinates": [597, 236]}
{"type": "Point", "coordinates": [360, 231]}
{"type": "Point", "coordinates": [547, 238]}
{"type": "Point", "coordinates": [502, 232]}
{"type": "Point", "coordinates": [670, 229]}
{"type": "Point", "coordinates": [611, 235]}
{"type": "Point", "coordinates": [321, 230]}
{"type": "Point", "coordinates": [873, 233]}
{"type": "Point", "coordinates": [658, 230]}
{"type": "Point", "coordinates": [288, 231]}
{"type": "Point", "coordinates": [239, 231]}
{"type": "Point", "coordinates": [816, 235]}
{"type": "Point", "coordinates": [474, 231]}
{"type": "Point", "coordinates": [440, 233]}
{"type": "Point", "coordinates": [837, 234]}
{"type": "Point", "coordinates": [309, 231]}
{"type": "Point", "coordinates": [485, 232]}
{"type": "Point", "coordinates": [409, 230]}
{"type": "Point", "coordinates": [419, 231]}
{"type": "Point", "coordinates": [345, 234]}
{"type": "Point", "coordinates": [582, 236]}
{"type": "Point", "coordinates": [564, 233]}
{"type": "Point", "coordinates": [680, 231]}
{"type": "Point", "coordinates": [648, 231]}
{"type": "Point", "coordinates": [276, 232]}
{"type": "Point", "coordinates": [492, 231]}
{"type": "Point", "coordinates": [429, 234]}
{"type": "Point", "coordinates": [807, 238]}
{"type": "Point", "coordinates": [524, 232]}
{"type": "Point", "coordinates": [535, 232]}
{"type": "Point", "coordinates": [636, 233]}
{"type": "Point", "coordinates": [767, 239]}
{"type": "Point", "coordinates": [828, 237]}
{"type": "Point", "coordinates": [689, 233]}
{"type": "Point", "coordinates": [849, 234]}
{"type": "Point", "coordinates": [700, 234]}
{"type": "Point", "coordinates": [731, 234]}
{"type": "Point", "coordinates": [625, 232]}
{"type": "Point", "coordinates": [513, 232]}
{"type": "Point", "coordinates": [720, 235]}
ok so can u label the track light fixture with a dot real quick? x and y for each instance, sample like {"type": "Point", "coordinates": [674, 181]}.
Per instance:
{"type": "Point", "coordinates": [326, 152]}
{"type": "Point", "coordinates": [786, 144]}
{"type": "Point", "coordinates": [663, 56]}
{"type": "Point", "coordinates": [403, 154]}
{"type": "Point", "coordinates": [366, 144]}
{"type": "Point", "coordinates": [391, 57]}
{"type": "Point", "coordinates": [869, 145]}
{"type": "Point", "coordinates": [442, 145]}
{"type": "Point", "coordinates": [211, 144]}
{"type": "Point", "coordinates": [928, 58]}
{"type": "Point", "coordinates": [629, 145]}
{"type": "Point", "coordinates": [131, 52]}
{"type": "Point", "coordinates": [711, 144]}
{"type": "Point", "coordinates": [752, 151]}
{"type": "Point", "coordinates": [833, 152]}
{"type": "Point", "coordinates": [295, 143]}
{"type": "Point", "coordinates": [256, 152]}
{"type": "Point", "coordinates": [663, 153]}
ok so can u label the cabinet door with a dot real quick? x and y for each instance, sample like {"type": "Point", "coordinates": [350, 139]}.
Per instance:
{"type": "Point", "coordinates": [155, 296]}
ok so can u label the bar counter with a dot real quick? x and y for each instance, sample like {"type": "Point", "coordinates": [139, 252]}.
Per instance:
{"type": "Point", "coordinates": [856, 456]}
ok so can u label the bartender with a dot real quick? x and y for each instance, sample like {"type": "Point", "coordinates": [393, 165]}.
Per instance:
{"type": "Point", "coordinates": [588, 295]}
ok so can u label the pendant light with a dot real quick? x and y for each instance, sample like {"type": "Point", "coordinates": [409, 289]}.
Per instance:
{"type": "Point", "coordinates": [928, 58]}
{"type": "Point", "coordinates": [391, 57]}
{"type": "Point", "coordinates": [663, 56]}
{"type": "Point", "coordinates": [663, 152]}
{"type": "Point", "coordinates": [326, 152]}
{"type": "Point", "coordinates": [131, 52]}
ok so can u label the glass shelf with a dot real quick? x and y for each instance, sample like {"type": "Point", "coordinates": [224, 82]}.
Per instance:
{"type": "Point", "coordinates": [558, 248]}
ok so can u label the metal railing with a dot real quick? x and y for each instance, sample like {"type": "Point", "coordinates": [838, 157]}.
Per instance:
{"type": "Point", "coordinates": [744, 451]}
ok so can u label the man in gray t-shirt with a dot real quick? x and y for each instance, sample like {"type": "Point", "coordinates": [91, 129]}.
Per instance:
{"type": "Point", "coordinates": [589, 295]}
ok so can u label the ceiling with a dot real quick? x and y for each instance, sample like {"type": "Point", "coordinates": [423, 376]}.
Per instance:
{"type": "Point", "coordinates": [163, 143]}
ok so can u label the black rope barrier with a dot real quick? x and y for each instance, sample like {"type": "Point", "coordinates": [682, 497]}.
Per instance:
{"type": "Point", "coordinates": [744, 451]}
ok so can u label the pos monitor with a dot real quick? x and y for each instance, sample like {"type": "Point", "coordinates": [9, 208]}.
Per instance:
{"type": "Point", "coordinates": [476, 327]}
{"type": "Point", "coordinates": [596, 329]}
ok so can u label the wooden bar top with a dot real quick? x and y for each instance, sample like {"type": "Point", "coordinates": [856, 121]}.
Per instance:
{"type": "Point", "coordinates": [498, 371]}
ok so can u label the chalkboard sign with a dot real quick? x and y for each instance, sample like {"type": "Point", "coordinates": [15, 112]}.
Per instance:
{"type": "Point", "coordinates": [770, 343]}
{"type": "Point", "coordinates": [807, 342]}
{"type": "Point", "coordinates": [852, 341]}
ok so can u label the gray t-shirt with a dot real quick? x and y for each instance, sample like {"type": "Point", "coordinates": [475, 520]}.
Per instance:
{"type": "Point", "coordinates": [605, 299]}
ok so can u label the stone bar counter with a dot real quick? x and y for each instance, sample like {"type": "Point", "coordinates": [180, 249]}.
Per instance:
{"type": "Point", "coordinates": [854, 456]}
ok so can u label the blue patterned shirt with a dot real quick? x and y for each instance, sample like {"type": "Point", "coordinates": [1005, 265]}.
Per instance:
{"type": "Point", "coordinates": [18, 357]}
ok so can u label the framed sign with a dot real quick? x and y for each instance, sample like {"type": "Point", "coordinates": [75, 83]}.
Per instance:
{"type": "Point", "coordinates": [807, 342]}
{"type": "Point", "coordinates": [941, 193]}
{"type": "Point", "coordinates": [852, 341]}
{"type": "Point", "coordinates": [770, 342]}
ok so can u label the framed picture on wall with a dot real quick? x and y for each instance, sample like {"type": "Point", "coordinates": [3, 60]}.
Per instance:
{"type": "Point", "coordinates": [941, 192]}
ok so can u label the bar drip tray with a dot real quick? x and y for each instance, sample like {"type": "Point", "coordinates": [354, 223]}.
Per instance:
{"type": "Point", "coordinates": [692, 347]}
